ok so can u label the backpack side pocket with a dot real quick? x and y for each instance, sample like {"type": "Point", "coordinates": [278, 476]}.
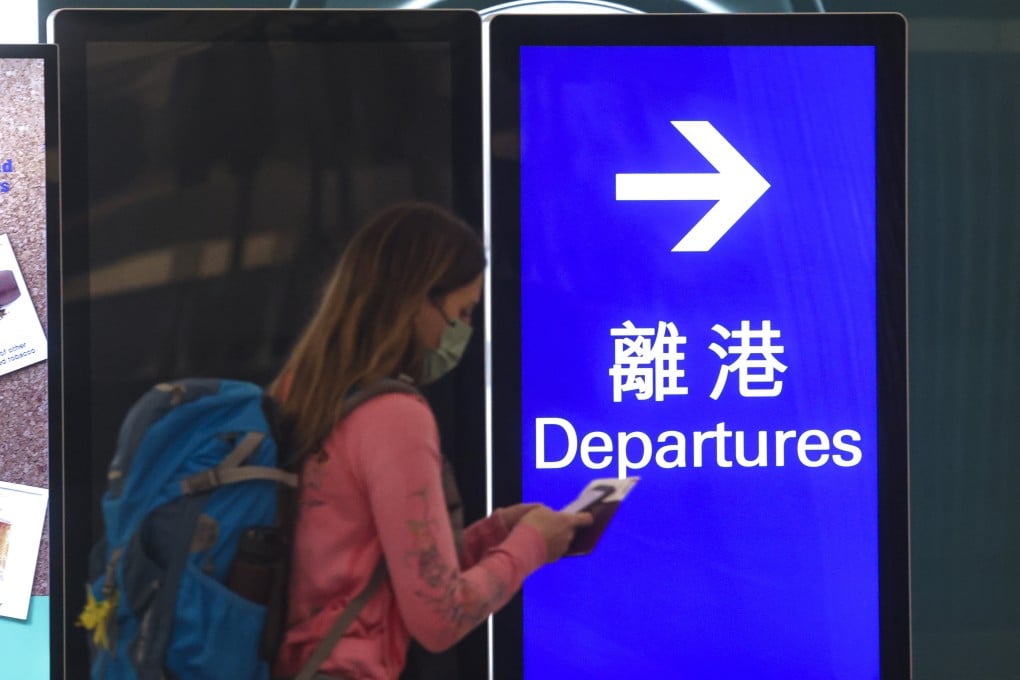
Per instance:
{"type": "Point", "coordinates": [216, 632]}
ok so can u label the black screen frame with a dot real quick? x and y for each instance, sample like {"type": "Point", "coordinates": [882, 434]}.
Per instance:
{"type": "Point", "coordinates": [886, 32]}
{"type": "Point", "coordinates": [49, 55]}
{"type": "Point", "coordinates": [73, 30]}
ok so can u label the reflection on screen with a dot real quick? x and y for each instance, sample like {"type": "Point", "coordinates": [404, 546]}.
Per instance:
{"type": "Point", "coordinates": [224, 178]}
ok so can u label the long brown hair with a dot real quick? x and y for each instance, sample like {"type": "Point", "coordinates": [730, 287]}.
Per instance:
{"type": "Point", "coordinates": [363, 330]}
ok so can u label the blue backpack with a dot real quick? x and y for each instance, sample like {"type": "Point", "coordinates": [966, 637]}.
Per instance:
{"type": "Point", "coordinates": [189, 580]}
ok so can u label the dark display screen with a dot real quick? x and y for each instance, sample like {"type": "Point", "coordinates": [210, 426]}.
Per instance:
{"type": "Point", "coordinates": [221, 160]}
{"type": "Point", "coordinates": [224, 179]}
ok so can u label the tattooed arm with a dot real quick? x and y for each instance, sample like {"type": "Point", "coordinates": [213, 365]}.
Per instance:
{"type": "Point", "coordinates": [439, 601]}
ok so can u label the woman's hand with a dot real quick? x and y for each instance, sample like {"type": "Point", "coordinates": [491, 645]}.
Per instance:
{"type": "Point", "coordinates": [512, 514]}
{"type": "Point", "coordinates": [558, 528]}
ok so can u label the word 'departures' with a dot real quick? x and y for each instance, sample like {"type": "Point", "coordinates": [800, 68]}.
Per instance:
{"type": "Point", "coordinates": [558, 445]}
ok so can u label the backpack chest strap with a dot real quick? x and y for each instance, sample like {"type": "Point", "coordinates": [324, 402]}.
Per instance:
{"type": "Point", "coordinates": [231, 469]}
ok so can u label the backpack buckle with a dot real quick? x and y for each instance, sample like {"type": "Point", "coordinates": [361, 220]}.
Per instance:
{"type": "Point", "coordinates": [201, 482]}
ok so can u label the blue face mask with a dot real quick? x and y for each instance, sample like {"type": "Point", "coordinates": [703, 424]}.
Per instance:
{"type": "Point", "coordinates": [443, 359]}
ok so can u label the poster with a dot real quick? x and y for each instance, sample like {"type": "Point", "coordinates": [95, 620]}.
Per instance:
{"type": "Point", "coordinates": [22, 341]}
{"type": "Point", "coordinates": [22, 515]}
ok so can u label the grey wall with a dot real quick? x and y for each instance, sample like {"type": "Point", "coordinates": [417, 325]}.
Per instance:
{"type": "Point", "coordinates": [964, 137]}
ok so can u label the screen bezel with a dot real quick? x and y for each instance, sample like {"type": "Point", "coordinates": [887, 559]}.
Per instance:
{"type": "Point", "coordinates": [887, 34]}
{"type": "Point", "coordinates": [73, 30]}
{"type": "Point", "coordinates": [49, 55]}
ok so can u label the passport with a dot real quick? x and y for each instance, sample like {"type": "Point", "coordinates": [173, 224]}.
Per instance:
{"type": "Point", "coordinates": [602, 498]}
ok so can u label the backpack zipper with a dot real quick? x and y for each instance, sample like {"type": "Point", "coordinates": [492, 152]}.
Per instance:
{"type": "Point", "coordinates": [142, 648]}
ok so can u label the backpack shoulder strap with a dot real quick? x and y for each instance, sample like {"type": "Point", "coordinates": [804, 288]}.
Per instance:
{"type": "Point", "coordinates": [323, 649]}
{"type": "Point", "coordinates": [378, 388]}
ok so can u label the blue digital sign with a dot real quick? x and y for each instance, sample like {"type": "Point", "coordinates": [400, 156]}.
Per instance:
{"type": "Point", "coordinates": [698, 308]}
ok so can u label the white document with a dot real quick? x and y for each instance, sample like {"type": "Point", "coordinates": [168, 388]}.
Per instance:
{"type": "Point", "coordinates": [22, 341]}
{"type": "Point", "coordinates": [22, 514]}
{"type": "Point", "coordinates": [601, 491]}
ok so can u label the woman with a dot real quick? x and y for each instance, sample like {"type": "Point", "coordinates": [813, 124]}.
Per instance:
{"type": "Point", "coordinates": [399, 306]}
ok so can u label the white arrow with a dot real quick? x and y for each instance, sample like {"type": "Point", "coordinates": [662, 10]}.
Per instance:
{"type": "Point", "coordinates": [736, 186]}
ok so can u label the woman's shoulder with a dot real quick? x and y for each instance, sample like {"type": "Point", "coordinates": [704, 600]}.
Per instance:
{"type": "Point", "coordinates": [397, 404]}
{"type": "Point", "coordinates": [383, 431]}
{"type": "Point", "coordinates": [388, 410]}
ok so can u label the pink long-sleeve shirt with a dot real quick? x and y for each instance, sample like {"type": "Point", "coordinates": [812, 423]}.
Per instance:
{"type": "Point", "coordinates": [375, 490]}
